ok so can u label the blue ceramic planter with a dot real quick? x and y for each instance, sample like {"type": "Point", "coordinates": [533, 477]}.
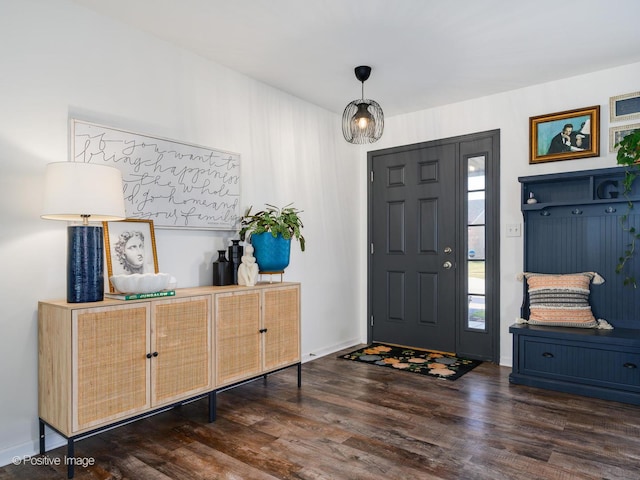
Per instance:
{"type": "Point", "coordinates": [272, 253]}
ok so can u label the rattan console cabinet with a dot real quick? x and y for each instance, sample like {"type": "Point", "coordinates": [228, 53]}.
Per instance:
{"type": "Point", "coordinates": [106, 363]}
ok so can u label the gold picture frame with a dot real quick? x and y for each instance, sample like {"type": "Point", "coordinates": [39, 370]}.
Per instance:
{"type": "Point", "coordinates": [127, 242]}
{"type": "Point", "coordinates": [565, 135]}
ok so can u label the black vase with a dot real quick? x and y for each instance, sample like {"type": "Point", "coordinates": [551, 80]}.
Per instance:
{"type": "Point", "coordinates": [221, 270]}
{"type": "Point", "coordinates": [235, 259]}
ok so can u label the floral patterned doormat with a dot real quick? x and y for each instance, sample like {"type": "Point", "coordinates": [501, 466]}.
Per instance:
{"type": "Point", "coordinates": [425, 362]}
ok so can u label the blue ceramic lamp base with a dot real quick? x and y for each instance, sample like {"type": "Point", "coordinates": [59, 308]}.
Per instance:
{"type": "Point", "coordinates": [85, 267]}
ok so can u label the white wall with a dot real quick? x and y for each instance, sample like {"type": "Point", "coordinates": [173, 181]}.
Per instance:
{"type": "Point", "coordinates": [60, 60]}
{"type": "Point", "coordinates": [510, 113]}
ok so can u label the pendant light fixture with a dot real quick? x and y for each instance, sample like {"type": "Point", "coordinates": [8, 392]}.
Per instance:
{"type": "Point", "coordinates": [362, 120]}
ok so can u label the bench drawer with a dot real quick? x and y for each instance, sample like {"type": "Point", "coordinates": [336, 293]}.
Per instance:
{"type": "Point", "coordinates": [605, 365]}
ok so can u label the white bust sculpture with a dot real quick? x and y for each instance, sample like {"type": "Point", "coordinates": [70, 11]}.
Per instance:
{"type": "Point", "coordinates": [248, 269]}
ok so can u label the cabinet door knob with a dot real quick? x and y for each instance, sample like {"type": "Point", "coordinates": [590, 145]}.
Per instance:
{"type": "Point", "coordinates": [262, 330]}
{"type": "Point", "coordinates": [630, 365]}
{"type": "Point", "coordinates": [148, 355]}
{"type": "Point", "coordinates": [547, 355]}
{"type": "Point", "coordinates": [154, 354]}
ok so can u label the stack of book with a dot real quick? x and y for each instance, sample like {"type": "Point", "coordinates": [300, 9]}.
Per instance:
{"type": "Point", "coordinates": [138, 296]}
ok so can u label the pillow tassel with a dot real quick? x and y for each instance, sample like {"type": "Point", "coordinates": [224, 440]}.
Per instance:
{"type": "Point", "coordinates": [597, 278]}
{"type": "Point", "coordinates": [604, 325]}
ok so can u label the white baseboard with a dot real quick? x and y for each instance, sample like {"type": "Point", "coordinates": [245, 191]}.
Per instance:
{"type": "Point", "coordinates": [331, 349]}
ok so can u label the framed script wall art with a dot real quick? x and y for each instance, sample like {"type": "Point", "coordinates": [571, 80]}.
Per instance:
{"type": "Point", "coordinates": [172, 183]}
{"type": "Point", "coordinates": [565, 135]}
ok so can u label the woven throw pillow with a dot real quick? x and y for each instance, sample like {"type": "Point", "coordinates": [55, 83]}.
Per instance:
{"type": "Point", "coordinates": [562, 300]}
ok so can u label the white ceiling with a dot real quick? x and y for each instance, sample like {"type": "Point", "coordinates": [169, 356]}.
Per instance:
{"type": "Point", "coordinates": [423, 53]}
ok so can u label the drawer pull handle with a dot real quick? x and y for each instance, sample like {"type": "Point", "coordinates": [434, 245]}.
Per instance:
{"type": "Point", "coordinates": [262, 330]}
{"type": "Point", "coordinates": [630, 365]}
{"type": "Point", "coordinates": [547, 355]}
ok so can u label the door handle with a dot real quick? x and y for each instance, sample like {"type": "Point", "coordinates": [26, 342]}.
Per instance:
{"type": "Point", "coordinates": [447, 265]}
{"type": "Point", "coordinates": [448, 250]}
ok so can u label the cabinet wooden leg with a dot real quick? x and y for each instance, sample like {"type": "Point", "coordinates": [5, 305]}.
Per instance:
{"type": "Point", "coordinates": [299, 375]}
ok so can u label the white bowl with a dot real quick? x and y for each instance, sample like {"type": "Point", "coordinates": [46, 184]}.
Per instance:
{"type": "Point", "coordinates": [141, 282]}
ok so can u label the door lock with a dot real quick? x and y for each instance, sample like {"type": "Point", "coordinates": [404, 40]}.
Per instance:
{"type": "Point", "coordinates": [447, 265]}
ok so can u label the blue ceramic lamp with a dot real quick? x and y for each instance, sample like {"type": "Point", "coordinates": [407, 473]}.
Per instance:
{"type": "Point", "coordinates": [83, 192]}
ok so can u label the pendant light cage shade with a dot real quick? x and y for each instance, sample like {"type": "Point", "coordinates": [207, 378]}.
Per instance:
{"type": "Point", "coordinates": [362, 121]}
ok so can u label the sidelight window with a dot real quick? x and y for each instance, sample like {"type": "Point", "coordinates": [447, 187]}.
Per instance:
{"type": "Point", "coordinates": [476, 242]}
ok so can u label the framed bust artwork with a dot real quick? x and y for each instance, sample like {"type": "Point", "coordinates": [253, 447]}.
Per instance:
{"type": "Point", "coordinates": [130, 247]}
{"type": "Point", "coordinates": [565, 135]}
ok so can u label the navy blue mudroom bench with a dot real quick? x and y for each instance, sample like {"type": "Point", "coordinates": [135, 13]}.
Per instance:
{"type": "Point", "coordinates": [574, 226]}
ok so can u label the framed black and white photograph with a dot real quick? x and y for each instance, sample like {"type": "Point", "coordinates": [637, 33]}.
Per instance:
{"type": "Point", "coordinates": [130, 247]}
{"type": "Point", "coordinates": [565, 135]}
{"type": "Point", "coordinates": [625, 107]}
{"type": "Point", "coordinates": [616, 134]}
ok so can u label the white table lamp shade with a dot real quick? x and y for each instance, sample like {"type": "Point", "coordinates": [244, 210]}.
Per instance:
{"type": "Point", "coordinates": [74, 189]}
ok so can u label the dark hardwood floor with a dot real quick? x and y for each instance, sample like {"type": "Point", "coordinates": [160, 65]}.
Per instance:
{"type": "Point", "coordinates": [358, 421]}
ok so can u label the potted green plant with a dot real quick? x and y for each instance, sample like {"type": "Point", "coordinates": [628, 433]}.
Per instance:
{"type": "Point", "coordinates": [270, 232]}
{"type": "Point", "coordinates": [629, 156]}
